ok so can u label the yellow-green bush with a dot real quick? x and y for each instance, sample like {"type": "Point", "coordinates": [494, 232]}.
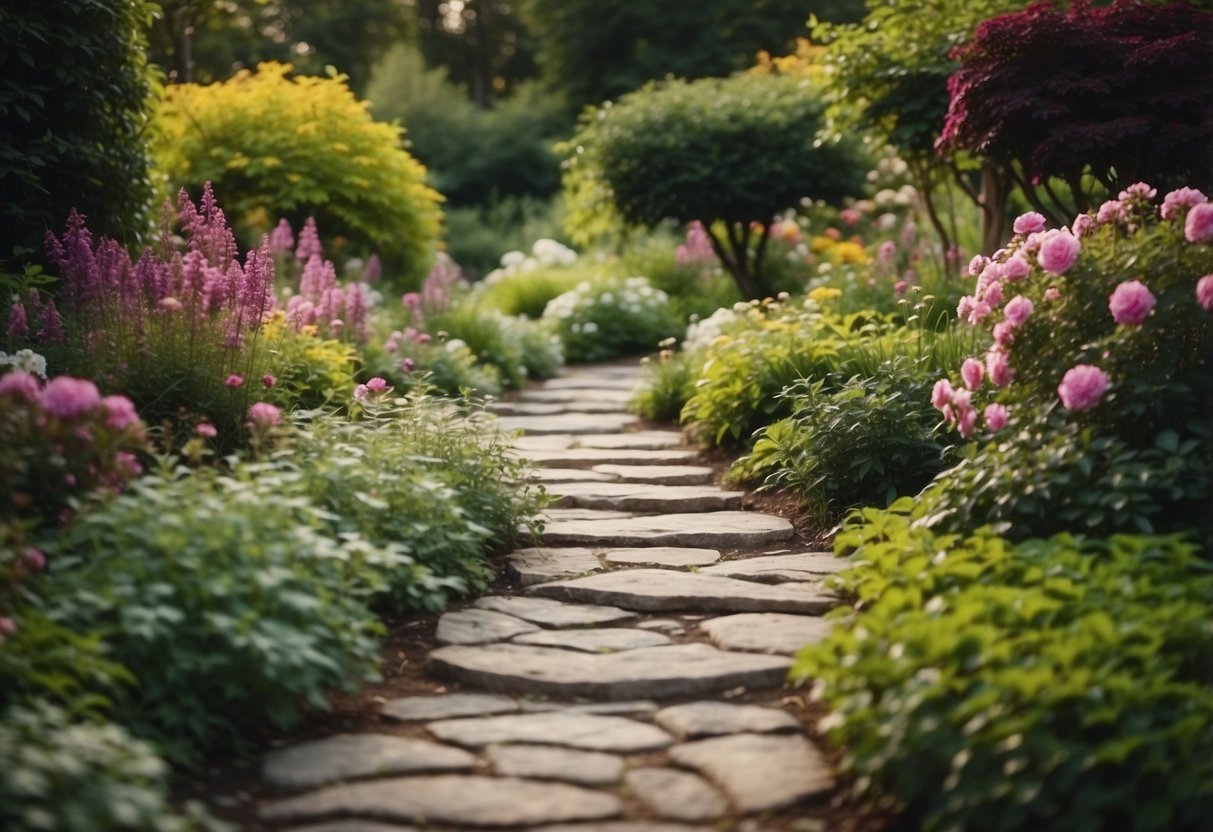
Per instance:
{"type": "Point", "coordinates": [276, 144]}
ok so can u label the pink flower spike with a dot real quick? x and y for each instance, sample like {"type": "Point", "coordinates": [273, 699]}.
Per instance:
{"type": "Point", "coordinates": [206, 430]}
{"type": "Point", "coordinates": [1058, 251]}
{"type": "Point", "coordinates": [1029, 222]}
{"type": "Point", "coordinates": [1204, 293]}
{"type": "Point", "coordinates": [360, 392]}
{"type": "Point", "coordinates": [941, 394]}
{"type": "Point", "coordinates": [1130, 303]}
{"type": "Point", "coordinates": [233, 381]}
{"type": "Point", "coordinates": [972, 372]}
{"type": "Point", "coordinates": [411, 299]}
{"type": "Point", "coordinates": [1082, 387]}
{"type": "Point", "coordinates": [996, 417]}
{"type": "Point", "coordinates": [1198, 227]}
{"type": "Point", "coordinates": [264, 414]}
{"type": "Point", "coordinates": [1018, 311]}
{"type": "Point", "coordinates": [120, 412]}
{"type": "Point", "coordinates": [67, 397]}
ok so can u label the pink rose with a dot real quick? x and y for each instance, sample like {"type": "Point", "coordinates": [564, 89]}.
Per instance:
{"type": "Point", "coordinates": [120, 412]}
{"type": "Point", "coordinates": [1018, 311]}
{"type": "Point", "coordinates": [1130, 303]}
{"type": "Point", "coordinates": [264, 414]}
{"type": "Point", "coordinates": [1204, 292]}
{"type": "Point", "coordinates": [1029, 222]}
{"type": "Point", "coordinates": [268, 380]}
{"type": "Point", "coordinates": [1016, 268]}
{"type": "Point", "coordinates": [1139, 190]}
{"type": "Point", "coordinates": [1082, 224]}
{"type": "Point", "coordinates": [1179, 199]}
{"type": "Point", "coordinates": [977, 264]}
{"type": "Point", "coordinates": [408, 365]}
{"type": "Point", "coordinates": [941, 394]}
{"type": "Point", "coordinates": [993, 293]}
{"type": "Point", "coordinates": [1111, 211]}
{"type": "Point", "coordinates": [206, 429]}
{"type": "Point", "coordinates": [965, 307]}
{"type": "Point", "coordinates": [972, 372]}
{"type": "Point", "coordinates": [1052, 294]}
{"type": "Point", "coordinates": [1198, 227]}
{"type": "Point", "coordinates": [996, 417]}
{"type": "Point", "coordinates": [1004, 334]}
{"type": "Point", "coordinates": [998, 368]}
{"type": "Point", "coordinates": [1082, 387]}
{"type": "Point", "coordinates": [966, 422]}
{"type": "Point", "coordinates": [67, 397]}
{"type": "Point", "coordinates": [979, 313]}
{"type": "Point", "coordinates": [233, 381]}
{"type": "Point", "coordinates": [20, 384]}
{"type": "Point", "coordinates": [1058, 251]}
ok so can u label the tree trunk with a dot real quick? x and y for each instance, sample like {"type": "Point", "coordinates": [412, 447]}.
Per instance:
{"type": "Point", "coordinates": [734, 262]}
{"type": "Point", "coordinates": [995, 224]}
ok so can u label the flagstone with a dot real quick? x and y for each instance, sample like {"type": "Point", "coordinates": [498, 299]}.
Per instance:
{"type": "Point", "coordinates": [542, 762]}
{"type": "Point", "coordinates": [622, 496]}
{"type": "Point", "coordinates": [479, 626]}
{"type": "Point", "coordinates": [548, 613]}
{"type": "Point", "coordinates": [601, 640]}
{"type": "Point", "coordinates": [573, 394]}
{"type": "Point", "coordinates": [674, 794]}
{"type": "Point", "coordinates": [536, 565]}
{"type": "Point", "coordinates": [670, 556]}
{"type": "Point", "coordinates": [593, 457]}
{"type": "Point", "coordinates": [447, 706]}
{"type": "Point", "coordinates": [589, 732]}
{"type": "Point", "coordinates": [775, 569]}
{"type": "Point", "coordinates": [571, 423]}
{"type": "Point", "coordinates": [644, 708]}
{"type": "Point", "coordinates": [593, 382]}
{"type": "Point", "coordinates": [711, 530]}
{"type": "Point", "coordinates": [708, 718]}
{"type": "Point", "coordinates": [632, 440]}
{"type": "Point", "coordinates": [349, 756]}
{"type": "Point", "coordinates": [657, 474]}
{"type": "Point", "coordinates": [551, 476]}
{"type": "Point", "coordinates": [759, 772]}
{"type": "Point", "coordinates": [766, 632]}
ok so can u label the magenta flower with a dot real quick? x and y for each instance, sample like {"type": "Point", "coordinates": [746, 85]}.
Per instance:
{"type": "Point", "coordinates": [965, 307]}
{"type": "Point", "coordinates": [1082, 224]}
{"type": "Point", "coordinates": [998, 368]}
{"type": "Point", "coordinates": [1004, 334]}
{"type": "Point", "coordinates": [1029, 222]}
{"type": "Point", "coordinates": [972, 372]}
{"type": "Point", "coordinates": [377, 385]}
{"type": "Point", "coordinates": [1018, 311]}
{"type": "Point", "coordinates": [899, 288]}
{"type": "Point", "coordinates": [1112, 211]}
{"type": "Point", "coordinates": [264, 415]}
{"type": "Point", "coordinates": [1052, 294]}
{"type": "Point", "coordinates": [18, 326]}
{"type": "Point", "coordinates": [35, 559]}
{"type": "Point", "coordinates": [941, 394]}
{"type": "Point", "coordinates": [373, 272]}
{"type": "Point", "coordinates": [966, 421]}
{"type": "Point", "coordinates": [1016, 268]}
{"type": "Point", "coordinates": [309, 242]}
{"type": "Point", "coordinates": [233, 381]}
{"type": "Point", "coordinates": [408, 365]}
{"type": "Point", "coordinates": [1058, 251]}
{"type": "Point", "coordinates": [980, 312]}
{"type": "Point", "coordinates": [978, 264]}
{"type": "Point", "coordinates": [1139, 190]}
{"type": "Point", "coordinates": [361, 392]}
{"type": "Point", "coordinates": [51, 330]}
{"type": "Point", "coordinates": [206, 430]}
{"type": "Point", "coordinates": [993, 293]}
{"type": "Point", "coordinates": [1177, 200]}
{"type": "Point", "coordinates": [120, 412]}
{"type": "Point", "coordinates": [996, 417]}
{"type": "Point", "coordinates": [1082, 387]}
{"type": "Point", "coordinates": [411, 299]}
{"type": "Point", "coordinates": [67, 397]}
{"type": "Point", "coordinates": [20, 385]}
{"type": "Point", "coordinates": [1198, 227]}
{"type": "Point", "coordinates": [282, 238]}
{"type": "Point", "coordinates": [1131, 302]}
{"type": "Point", "coordinates": [1204, 293]}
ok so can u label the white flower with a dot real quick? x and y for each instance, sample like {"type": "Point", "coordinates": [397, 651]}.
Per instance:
{"type": "Point", "coordinates": [590, 328]}
{"type": "Point", "coordinates": [456, 345]}
{"type": "Point", "coordinates": [513, 259]}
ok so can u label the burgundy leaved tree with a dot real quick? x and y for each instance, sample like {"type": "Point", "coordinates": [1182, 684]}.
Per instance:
{"type": "Point", "coordinates": [1095, 98]}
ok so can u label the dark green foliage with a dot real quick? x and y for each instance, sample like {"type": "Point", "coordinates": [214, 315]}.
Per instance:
{"type": "Point", "coordinates": [668, 383]}
{"type": "Point", "coordinates": [1056, 684]}
{"type": "Point", "coordinates": [75, 90]}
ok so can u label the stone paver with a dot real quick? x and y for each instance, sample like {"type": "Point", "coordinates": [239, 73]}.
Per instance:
{"type": "Point", "coordinates": [602, 640]}
{"type": "Point", "coordinates": [759, 772]}
{"type": "Point", "coordinates": [530, 408]}
{"type": "Point", "coordinates": [458, 800]}
{"type": "Point", "coordinates": [537, 565]}
{"type": "Point", "coordinates": [657, 474]}
{"type": "Point", "coordinates": [645, 673]}
{"type": "Point", "coordinates": [589, 732]}
{"type": "Point", "coordinates": [348, 756]}
{"type": "Point", "coordinates": [593, 382]}
{"type": "Point", "coordinates": [555, 614]}
{"type": "Point", "coordinates": [542, 762]}
{"type": "Point", "coordinates": [592, 457]}
{"type": "Point", "coordinates": [696, 720]}
{"type": "Point", "coordinates": [573, 394]}
{"type": "Point", "coordinates": [710, 530]}
{"type": "Point", "coordinates": [621, 496]}
{"type": "Point", "coordinates": [564, 515]}
{"type": "Point", "coordinates": [479, 626]}
{"type": "Point", "coordinates": [776, 569]}
{"type": "Point", "coordinates": [352, 826]}
{"type": "Point", "coordinates": [568, 423]}
{"type": "Point", "coordinates": [624, 826]}
{"type": "Point", "coordinates": [447, 706]}
{"type": "Point", "coordinates": [766, 632]}
{"type": "Point", "coordinates": [636, 440]}
{"type": "Point", "coordinates": [664, 590]}
{"type": "Point", "coordinates": [551, 476]}
{"type": "Point", "coordinates": [671, 556]}
{"type": "Point", "coordinates": [641, 708]}
{"type": "Point", "coordinates": [676, 795]}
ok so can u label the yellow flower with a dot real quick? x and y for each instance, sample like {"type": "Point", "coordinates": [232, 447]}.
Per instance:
{"type": "Point", "coordinates": [821, 244]}
{"type": "Point", "coordinates": [848, 252]}
{"type": "Point", "coordinates": [824, 293]}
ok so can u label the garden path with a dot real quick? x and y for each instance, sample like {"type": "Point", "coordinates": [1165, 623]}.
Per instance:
{"type": "Point", "coordinates": [633, 680]}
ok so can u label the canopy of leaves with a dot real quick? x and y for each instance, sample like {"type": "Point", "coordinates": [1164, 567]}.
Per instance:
{"type": "Point", "coordinates": [75, 93]}
{"type": "Point", "coordinates": [1121, 92]}
{"type": "Point", "coordinates": [594, 51]}
{"type": "Point", "coordinates": [278, 145]}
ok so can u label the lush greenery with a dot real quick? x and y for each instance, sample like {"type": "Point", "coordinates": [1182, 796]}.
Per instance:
{"type": "Point", "coordinates": [276, 144]}
{"type": "Point", "coordinates": [611, 318]}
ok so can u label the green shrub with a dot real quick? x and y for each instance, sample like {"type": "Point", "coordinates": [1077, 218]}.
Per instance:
{"type": "Point", "coordinates": [529, 292]}
{"type": "Point", "coordinates": [74, 128]}
{"type": "Point", "coordinates": [274, 145]}
{"type": "Point", "coordinates": [477, 236]}
{"type": "Point", "coordinates": [610, 318]}
{"type": "Point", "coordinates": [1059, 683]}
{"type": "Point", "coordinates": [66, 776]}
{"type": "Point", "coordinates": [228, 599]}
{"type": "Point", "coordinates": [697, 287]}
{"type": "Point", "coordinates": [733, 151]}
{"type": "Point", "coordinates": [668, 383]}
{"type": "Point", "coordinates": [516, 347]}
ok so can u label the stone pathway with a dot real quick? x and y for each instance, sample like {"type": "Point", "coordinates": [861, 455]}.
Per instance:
{"type": "Point", "coordinates": [632, 682]}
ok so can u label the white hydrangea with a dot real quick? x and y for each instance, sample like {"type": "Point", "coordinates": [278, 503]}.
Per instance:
{"type": "Point", "coordinates": [701, 334]}
{"type": "Point", "coordinates": [551, 253]}
{"type": "Point", "coordinates": [27, 360]}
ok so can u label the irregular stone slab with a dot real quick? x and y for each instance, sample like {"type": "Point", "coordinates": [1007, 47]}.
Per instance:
{"type": "Point", "coordinates": [593, 382]}
{"type": "Point", "coordinates": [657, 474]}
{"type": "Point", "coordinates": [457, 800]}
{"type": "Point", "coordinates": [552, 515]}
{"type": "Point", "coordinates": [624, 826]}
{"type": "Point", "coordinates": [574, 423]}
{"type": "Point", "coordinates": [696, 720]}
{"type": "Point", "coordinates": [550, 476]}
{"type": "Point", "coordinates": [352, 826]}
{"type": "Point", "coordinates": [604, 640]}
{"type": "Point", "coordinates": [636, 708]}
{"type": "Point", "coordinates": [557, 442]}
{"type": "Point", "coordinates": [645, 673]}
{"type": "Point", "coordinates": [778, 569]}
{"type": "Point", "coordinates": [759, 772]}
{"type": "Point", "coordinates": [447, 706]}
{"type": "Point", "coordinates": [543, 762]}
{"type": "Point", "coordinates": [766, 632]}
{"type": "Point", "coordinates": [663, 590]}
{"type": "Point", "coordinates": [533, 566]}
{"type": "Point", "coordinates": [347, 756]}
{"type": "Point", "coordinates": [678, 557]}
{"type": "Point", "coordinates": [622, 496]}
{"type": "Point", "coordinates": [673, 794]}
{"type": "Point", "coordinates": [590, 732]}
{"type": "Point", "coordinates": [664, 625]}
{"type": "Point", "coordinates": [479, 626]}
{"type": "Point", "coordinates": [533, 408]}
{"type": "Point", "coordinates": [553, 614]}
{"type": "Point", "coordinates": [573, 394]}
{"type": "Point", "coordinates": [632, 440]}
{"type": "Point", "coordinates": [591, 457]}
{"type": "Point", "coordinates": [711, 530]}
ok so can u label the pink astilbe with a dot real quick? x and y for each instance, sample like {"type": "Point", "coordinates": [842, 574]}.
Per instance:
{"type": "Point", "coordinates": [440, 283]}
{"type": "Point", "coordinates": [18, 325]}
{"type": "Point", "coordinates": [282, 239]}
{"type": "Point", "coordinates": [51, 329]}
{"type": "Point", "coordinates": [373, 271]}
{"type": "Point", "coordinates": [355, 312]}
{"type": "Point", "coordinates": [309, 242]}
